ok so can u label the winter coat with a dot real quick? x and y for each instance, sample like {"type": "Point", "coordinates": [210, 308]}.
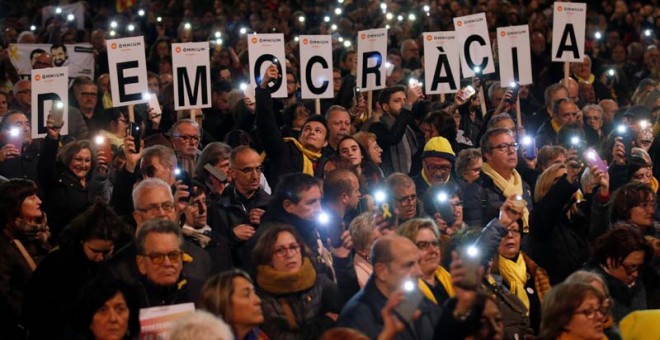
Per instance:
{"type": "Point", "coordinates": [24, 166]}
{"type": "Point", "coordinates": [625, 299]}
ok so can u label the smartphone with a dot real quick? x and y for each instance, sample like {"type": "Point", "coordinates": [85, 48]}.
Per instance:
{"type": "Point", "coordinates": [468, 92]}
{"type": "Point", "coordinates": [519, 204]}
{"type": "Point", "coordinates": [356, 95]}
{"type": "Point", "coordinates": [219, 175]}
{"type": "Point", "coordinates": [185, 179]}
{"type": "Point", "coordinates": [103, 145]}
{"type": "Point", "coordinates": [445, 208]}
{"type": "Point", "coordinates": [592, 158]}
{"type": "Point", "coordinates": [136, 132]}
{"type": "Point", "coordinates": [413, 296]}
{"type": "Point", "coordinates": [16, 139]}
{"type": "Point", "coordinates": [249, 92]}
{"type": "Point", "coordinates": [515, 89]}
{"type": "Point", "coordinates": [471, 263]}
{"type": "Point", "coordinates": [385, 207]}
{"type": "Point", "coordinates": [529, 146]}
{"type": "Point", "coordinates": [626, 138]}
{"type": "Point", "coordinates": [57, 114]}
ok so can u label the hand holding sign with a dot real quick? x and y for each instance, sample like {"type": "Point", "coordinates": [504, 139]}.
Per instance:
{"type": "Point", "coordinates": [270, 75]}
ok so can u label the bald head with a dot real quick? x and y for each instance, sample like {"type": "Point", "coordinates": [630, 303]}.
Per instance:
{"type": "Point", "coordinates": [386, 248]}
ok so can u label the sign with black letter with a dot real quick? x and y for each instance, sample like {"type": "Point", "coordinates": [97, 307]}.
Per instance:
{"type": "Point", "coordinates": [316, 66]}
{"type": "Point", "coordinates": [514, 55]}
{"type": "Point", "coordinates": [474, 44]}
{"type": "Point", "coordinates": [128, 71]}
{"type": "Point", "coordinates": [192, 75]}
{"type": "Point", "coordinates": [265, 50]}
{"type": "Point", "coordinates": [441, 63]}
{"type": "Point", "coordinates": [371, 54]}
{"type": "Point", "coordinates": [568, 31]}
{"type": "Point", "coordinates": [50, 92]}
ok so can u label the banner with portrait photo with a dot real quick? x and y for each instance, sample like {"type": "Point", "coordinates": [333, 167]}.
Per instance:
{"type": "Point", "coordinates": [78, 57]}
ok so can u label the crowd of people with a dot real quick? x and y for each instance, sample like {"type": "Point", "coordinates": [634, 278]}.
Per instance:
{"type": "Point", "coordinates": [419, 217]}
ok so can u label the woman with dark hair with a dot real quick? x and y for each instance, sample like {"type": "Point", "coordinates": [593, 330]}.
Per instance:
{"type": "Point", "coordinates": [231, 296]}
{"type": "Point", "coordinates": [635, 203]}
{"type": "Point", "coordinates": [621, 257]}
{"type": "Point", "coordinates": [159, 49]}
{"type": "Point", "coordinates": [573, 311]}
{"type": "Point", "coordinates": [369, 173]}
{"type": "Point", "coordinates": [70, 177]}
{"type": "Point", "coordinates": [23, 242]}
{"type": "Point", "coordinates": [104, 310]}
{"type": "Point", "coordinates": [85, 245]}
{"type": "Point", "coordinates": [298, 302]}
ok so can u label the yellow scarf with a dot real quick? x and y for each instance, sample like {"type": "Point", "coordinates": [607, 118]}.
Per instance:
{"type": "Point", "coordinates": [515, 273]}
{"type": "Point", "coordinates": [428, 181]}
{"type": "Point", "coordinates": [308, 156]}
{"type": "Point", "coordinates": [277, 282]}
{"type": "Point", "coordinates": [589, 80]}
{"type": "Point", "coordinates": [566, 336]}
{"type": "Point", "coordinates": [555, 125]}
{"type": "Point", "coordinates": [444, 278]}
{"type": "Point", "coordinates": [508, 188]}
{"type": "Point", "coordinates": [654, 184]}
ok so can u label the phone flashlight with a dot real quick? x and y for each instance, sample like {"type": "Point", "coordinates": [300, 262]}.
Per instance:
{"type": "Point", "coordinates": [643, 124]}
{"type": "Point", "coordinates": [380, 196]}
{"type": "Point", "coordinates": [323, 218]}
{"type": "Point", "coordinates": [621, 129]}
{"type": "Point", "coordinates": [598, 35]}
{"type": "Point", "coordinates": [611, 72]}
{"type": "Point", "coordinates": [14, 132]}
{"type": "Point", "coordinates": [99, 140]}
{"type": "Point", "coordinates": [472, 251]}
{"type": "Point", "coordinates": [442, 197]}
{"type": "Point", "coordinates": [408, 286]}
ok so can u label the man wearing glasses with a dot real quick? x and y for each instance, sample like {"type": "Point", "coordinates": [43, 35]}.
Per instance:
{"type": "Point", "coordinates": [22, 93]}
{"type": "Point", "coordinates": [405, 198]}
{"type": "Point", "coordinates": [17, 161]}
{"type": "Point", "coordinates": [160, 262]}
{"type": "Point", "coordinates": [184, 136]}
{"type": "Point", "coordinates": [437, 161]}
{"type": "Point", "coordinates": [238, 212]}
{"type": "Point", "coordinates": [499, 179]}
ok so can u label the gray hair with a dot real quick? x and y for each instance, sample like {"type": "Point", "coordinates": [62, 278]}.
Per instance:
{"type": "Point", "coordinates": [594, 107]}
{"type": "Point", "coordinates": [148, 184]}
{"type": "Point", "coordinates": [493, 87]}
{"type": "Point", "coordinates": [465, 157]}
{"type": "Point", "coordinates": [178, 123]}
{"type": "Point", "coordinates": [201, 325]}
{"type": "Point", "coordinates": [165, 155]}
{"type": "Point", "coordinates": [399, 180]}
{"type": "Point", "coordinates": [587, 277]}
{"type": "Point", "coordinates": [158, 226]}
{"type": "Point", "coordinates": [212, 154]}
{"type": "Point", "coordinates": [496, 119]}
{"type": "Point", "coordinates": [361, 229]}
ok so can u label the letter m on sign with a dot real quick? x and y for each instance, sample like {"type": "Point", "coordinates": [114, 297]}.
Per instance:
{"type": "Point", "coordinates": [201, 84]}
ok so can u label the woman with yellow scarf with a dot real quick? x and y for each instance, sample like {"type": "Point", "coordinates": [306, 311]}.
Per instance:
{"type": "Point", "coordinates": [435, 281]}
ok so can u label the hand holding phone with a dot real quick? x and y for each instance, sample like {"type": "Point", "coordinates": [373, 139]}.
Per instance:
{"type": "Point", "coordinates": [593, 159]}
{"type": "Point", "coordinates": [135, 130]}
{"type": "Point", "coordinates": [57, 114]}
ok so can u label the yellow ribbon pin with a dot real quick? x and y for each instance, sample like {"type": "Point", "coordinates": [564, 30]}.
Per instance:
{"type": "Point", "coordinates": [386, 210]}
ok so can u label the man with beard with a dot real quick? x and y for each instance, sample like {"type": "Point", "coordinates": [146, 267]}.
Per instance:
{"type": "Point", "coordinates": [59, 54]}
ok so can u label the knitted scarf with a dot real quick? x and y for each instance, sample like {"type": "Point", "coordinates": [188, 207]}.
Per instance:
{"type": "Point", "coordinates": [277, 282]}
{"type": "Point", "coordinates": [444, 278]}
{"type": "Point", "coordinates": [307, 156]}
{"type": "Point", "coordinates": [515, 273]}
{"type": "Point", "coordinates": [514, 186]}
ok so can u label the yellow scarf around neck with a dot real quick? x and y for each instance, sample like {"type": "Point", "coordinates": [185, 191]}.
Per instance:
{"type": "Point", "coordinates": [514, 186]}
{"type": "Point", "coordinates": [566, 336]}
{"type": "Point", "coordinates": [515, 274]}
{"type": "Point", "coordinates": [308, 156]}
{"type": "Point", "coordinates": [444, 278]}
{"type": "Point", "coordinates": [277, 282]}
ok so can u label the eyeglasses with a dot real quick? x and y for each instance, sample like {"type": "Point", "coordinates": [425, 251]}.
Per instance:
{"type": "Point", "coordinates": [283, 251]}
{"type": "Point", "coordinates": [504, 147]}
{"type": "Point", "coordinates": [647, 204]}
{"type": "Point", "coordinates": [158, 259]}
{"type": "Point", "coordinates": [249, 170]}
{"type": "Point", "coordinates": [513, 231]}
{"type": "Point", "coordinates": [435, 168]}
{"type": "Point", "coordinates": [155, 208]}
{"type": "Point", "coordinates": [424, 245]}
{"type": "Point", "coordinates": [631, 269]}
{"type": "Point", "coordinates": [642, 176]}
{"type": "Point", "coordinates": [187, 138]}
{"type": "Point", "coordinates": [591, 313]}
{"type": "Point", "coordinates": [407, 199]}
{"type": "Point", "coordinates": [87, 94]}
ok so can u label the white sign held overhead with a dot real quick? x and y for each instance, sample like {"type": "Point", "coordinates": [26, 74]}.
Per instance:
{"type": "Point", "coordinates": [514, 52]}
{"type": "Point", "coordinates": [316, 66]}
{"type": "Point", "coordinates": [474, 44]}
{"type": "Point", "coordinates": [371, 54]}
{"type": "Point", "coordinates": [192, 75]}
{"type": "Point", "coordinates": [265, 50]}
{"type": "Point", "coordinates": [568, 31]}
{"type": "Point", "coordinates": [50, 96]}
{"type": "Point", "coordinates": [441, 63]}
{"type": "Point", "coordinates": [128, 71]}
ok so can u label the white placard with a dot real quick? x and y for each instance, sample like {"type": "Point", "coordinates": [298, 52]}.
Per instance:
{"type": "Point", "coordinates": [76, 9]}
{"type": "Point", "coordinates": [156, 322]}
{"type": "Point", "coordinates": [515, 58]}
{"type": "Point", "coordinates": [265, 50]}
{"type": "Point", "coordinates": [49, 85]}
{"type": "Point", "coordinates": [316, 66]}
{"type": "Point", "coordinates": [79, 58]}
{"type": "Point", "coordinates": [442, 73]}
{"type": "Point", "coordinates": [128, 71]}
{"type": "Point", "coordinates": [474, 44]}
{"type": "Point", "coordinates": [371, 57]}
{"type": "Point", "coordinates": [192, 75]}
{"type": "Point", "coordinates": [568, 31]}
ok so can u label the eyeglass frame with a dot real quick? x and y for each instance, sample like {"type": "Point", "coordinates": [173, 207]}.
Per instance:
{"type": "Point", "coordinates": [152, 209]}
{"type": "Point", "coordinates": [159, 259]}
{"type": "Point", "coordinates": [282, 252]}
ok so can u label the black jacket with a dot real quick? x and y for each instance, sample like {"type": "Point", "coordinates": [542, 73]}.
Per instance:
{"type": "Point", "coordinates": [24, 166]}
{"type": "Point", "coordinates": [546, 135]}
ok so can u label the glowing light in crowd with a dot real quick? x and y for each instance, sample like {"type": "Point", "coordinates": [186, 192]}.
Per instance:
{"type": "Point", "coordinates": [338, 11]}
{"type": "Point", "coordinates": [131, 28]}
{"type": "Point", "coordinates": [598, 35]}
{"type": "Point", "coordinates": [326, 18]}
{"type": "Point", "coordinates": [296, 39]}
{"type": "Point", "coordinates": [412, 17]}
{"type": "Point", "coordinates": [33, 28]}
{"type": "Point", "coordinates": [159, 19]}
{"type": "Point", "coordinates": [333, 27]}
{"type": "Point", "coordinates": [58, 10]}
{"type": "Point", "coordinates": [389, 16]}
{"type": "Point", "coordinates": [141, 12]}
{"type": "Point", "coordinates": [218, 34]}
{"type": "Point", "coordinates": [243, 30]}
{"type": "Point", "coordinates": [218, 41]}
{"type": "Point", "coordinates": [187, 26]}
{"type": "Point", "coordinates": [427, 8]}
{"type": "Point", "coordinates": [301, 18]}
{"type": "Point", "coordinates": [70, 17]}
{"type": "Point", "coordinates": [399, 17]}
{"type": "Point", "coordinates": [113, 24]}
{"type": "Point", "coordinates": [113, 33]}
{"type": "Point", "coordinates": [347, 43]}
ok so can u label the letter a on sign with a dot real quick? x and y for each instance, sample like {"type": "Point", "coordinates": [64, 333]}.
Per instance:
{"type": "Point", "coordinates": [372, 50]}
{"type": "Point", "coordinates": [128, 71]}
{"type": "Point", "coordinates": [568, 31]}
{"type": "Point", "coordinates": [474, 44]}
{"type": "Point", "coordinates": [441, 62]}
{"type": "Point", "coordinates": [316, 66]}
{"type": "Point", "coordinates": [265, 50]}
{"type": "Point", "coordinates": [192, 75]}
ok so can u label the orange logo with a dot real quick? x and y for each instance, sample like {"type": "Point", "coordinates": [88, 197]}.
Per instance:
{"type": "Point", "coordinates": [113, 46]}
{"type": "Point", "coordinates": [503, 33]}
{"type": "Point", "coordinates": [429, 37]}
{"type": "Point", "coordinates": [363, 36]}
{"type": "Point", "coordinates": [560, 8]}
{"type": "Point", "coordinates": [37, 77]}
{"type": "Point", "coordinates": [459, 23]}
{"type": "Point", "coordinates": [254, 40]}
{"type": "Point", "coordinates": [305, 41]}
{"type": "Point", "coordinates": [178, 50]}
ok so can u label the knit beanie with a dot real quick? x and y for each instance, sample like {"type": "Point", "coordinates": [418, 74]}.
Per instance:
{"type": "Point", "coordinates": [439, 147]}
